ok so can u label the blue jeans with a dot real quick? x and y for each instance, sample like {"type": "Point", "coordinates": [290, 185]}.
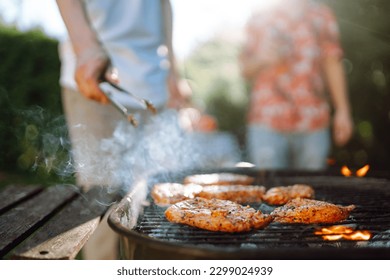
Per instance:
{"type": "Point", "coordinates": [270, 149]}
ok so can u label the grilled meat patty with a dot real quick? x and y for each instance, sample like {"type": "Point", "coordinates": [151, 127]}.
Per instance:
{"type": "Point", "coordinates": [219, 179]}
{"type": "Point", "coordinates": [217, 215]}
{"type": "Point", "coordinates": [169, 193]}
{"type": "Point", "coordinates": [165, 194]}
{"type": "Point", "coordinates": [309, 211]}
{"type": "Point", "coordinates": [236, 193]}
{"type": "Point", "coordinates": [281, 195]}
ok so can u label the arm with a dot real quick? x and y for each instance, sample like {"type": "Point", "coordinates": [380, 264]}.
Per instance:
{"type": "Point", "coordinates": [342, 122]}
{"type": "Point", "coordinates": [177, 98]}
{"type": "Point", "coordinates": [92, 60]}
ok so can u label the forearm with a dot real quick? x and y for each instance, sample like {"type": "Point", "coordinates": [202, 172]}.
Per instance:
{"type": "Point", "coordinates": [342, 121]}
{"type": "Point", "coordinates": [81, 34]}
{"type": "Point", "coordinates": [168, 31]}
{"type": "Point", "coordinates": [336, 81]}
{"type": "Point", "coordinates": [93, 62]}
{"type": "Point", "coordinates": [178, 94]}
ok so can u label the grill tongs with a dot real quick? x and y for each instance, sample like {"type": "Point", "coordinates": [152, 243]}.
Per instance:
{"type": "Point", "coordinates": [122, 109]}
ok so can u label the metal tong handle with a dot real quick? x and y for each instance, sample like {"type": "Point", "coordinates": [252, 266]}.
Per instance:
{"type": "Point", "coordinates": [121, 108]}
{"type": "Point", "coordinates": [148, 105]}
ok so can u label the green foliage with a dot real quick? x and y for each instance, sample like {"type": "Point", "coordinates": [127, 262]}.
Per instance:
{"type": "Point", "coordinates": [364, 29]}
{"type": "Point", "coordinates": [214, 75]}
{"type": "Point", "coordinates": [29, 69]}
{"type": "Point", "coordinates": [29, 97]}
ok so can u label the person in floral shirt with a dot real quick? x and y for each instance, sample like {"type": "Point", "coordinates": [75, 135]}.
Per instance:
{"type": "Point", "coordinates": [293, 60]}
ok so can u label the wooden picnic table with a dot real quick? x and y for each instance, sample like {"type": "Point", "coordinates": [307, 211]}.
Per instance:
{"type": "Point", "coordinates": [49, 222]}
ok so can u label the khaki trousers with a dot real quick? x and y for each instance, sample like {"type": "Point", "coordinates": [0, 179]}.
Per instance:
{"type": "Point", "coordinates": [108, 151]}
{"type": "Point", "coordinates": [88, 124]}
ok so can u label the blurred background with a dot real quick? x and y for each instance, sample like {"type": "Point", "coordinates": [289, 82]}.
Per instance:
{"type": "Point", "coordinates": [207, 39]}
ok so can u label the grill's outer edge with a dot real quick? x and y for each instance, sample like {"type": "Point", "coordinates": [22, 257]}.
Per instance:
{"type": "Point", "coordinates": [191, 251]}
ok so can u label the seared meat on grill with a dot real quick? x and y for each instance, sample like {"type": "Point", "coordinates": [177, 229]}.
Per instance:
{"type": "Point", "coordinates": [219, 179]}
{"type": "Point", "coordinates": [309, 211]}
{"type": "Point", "coordinates": [236, 193]}
{"type": "Point", "coordinates": [217, 215]}
{"type": "Point", "coordinates": [281, 195]}
{"type": "Point", "coordinates": [169, 193]}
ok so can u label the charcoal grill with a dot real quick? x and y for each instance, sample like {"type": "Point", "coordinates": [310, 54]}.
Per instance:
{"type": "Point", "coordinates": [146, 234]}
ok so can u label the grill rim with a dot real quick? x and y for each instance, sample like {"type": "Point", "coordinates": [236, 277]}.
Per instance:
{"type": "Point", "coordinates": [210, 252]}
{"type": "Point", "coordinates": [245, 253]}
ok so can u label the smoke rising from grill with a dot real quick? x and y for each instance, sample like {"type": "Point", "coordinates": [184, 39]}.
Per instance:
{"type": "Point", "coordinates": [162, 146]}
{"type": "Point", "coordinates": [44, 142]}
{"type": "Point", "coordinates": [130, 154]}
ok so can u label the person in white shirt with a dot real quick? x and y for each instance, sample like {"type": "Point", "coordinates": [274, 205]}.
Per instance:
{"type": "Point", "coordinates": [129, 43]}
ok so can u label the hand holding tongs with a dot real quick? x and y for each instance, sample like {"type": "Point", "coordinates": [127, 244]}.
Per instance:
{"type": "Point", "coordinates": [130, 117]}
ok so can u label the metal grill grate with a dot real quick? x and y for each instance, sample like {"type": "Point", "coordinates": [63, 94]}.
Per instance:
{"type": "Point", "coordinates": [371, 197]}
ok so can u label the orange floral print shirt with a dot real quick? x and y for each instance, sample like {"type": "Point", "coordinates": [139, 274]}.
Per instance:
{"type": "Point", "coordinates": [289, 96]}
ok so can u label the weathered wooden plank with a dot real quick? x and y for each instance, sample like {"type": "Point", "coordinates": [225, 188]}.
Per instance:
{"type": "Point", "coordinates": [20, 221]}
{"type": "Point", "coordinates": [14, 194]}
{"type": "Point", "coordinates": [66, 233]}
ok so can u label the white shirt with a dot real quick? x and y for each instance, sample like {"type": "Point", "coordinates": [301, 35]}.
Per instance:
{"type": "Point", "coordinates": [131, 31]}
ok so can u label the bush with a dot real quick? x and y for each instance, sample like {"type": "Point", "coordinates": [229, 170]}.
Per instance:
{"type": "Point", "coordinates": [29, 94]}
{"type": "Point", "coordinates": [363, 26]}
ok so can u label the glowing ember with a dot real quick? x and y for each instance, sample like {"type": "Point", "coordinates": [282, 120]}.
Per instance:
{"type": "Point", "coordinates": [343, 232]}
{"type": "Point", "coordinates": [359, 173]}
{"type": "Point", "coordinates": [362, 171]}
{"type": "Point", "coordinates": [334, 230]}
{"type": "Point", "coordinates": [332, 237]}
{"type": "Point", "coordinates": [346, 171]}
{"type": "Point", "coordinates": [359, 235]}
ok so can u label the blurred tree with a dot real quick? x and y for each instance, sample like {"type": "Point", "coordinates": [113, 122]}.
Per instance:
{"type": "Point", "coordinates": [214, 76]}
{"type": "Point", "coordinates": [364, 27]}
{"type": "Point", "coordinates": [32, 134]}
